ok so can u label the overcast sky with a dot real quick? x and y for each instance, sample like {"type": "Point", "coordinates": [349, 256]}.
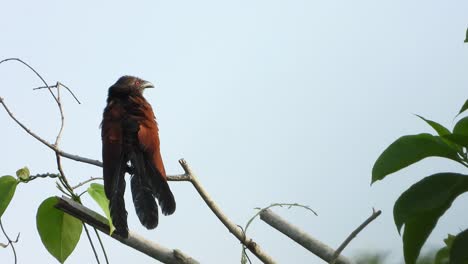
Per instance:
{"type": "Point", "coordinates": [269, 101]}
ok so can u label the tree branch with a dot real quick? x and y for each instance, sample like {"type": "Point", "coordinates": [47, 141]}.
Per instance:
{"type": "Point", "coordinates": [85, 182]}
{"type": "Point", "coordinates": [302, 238]}
{"type": "Point", "coordinates": [232, 227]}
{"type": "Point", "coordinates": [353, 234]}
{"type": "Point", "coordinates": [10, 241]}
{"type": "Point", "coordinates": [134, 240]}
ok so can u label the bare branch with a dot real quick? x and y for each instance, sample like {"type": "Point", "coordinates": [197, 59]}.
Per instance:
{"type": "Point", "coordinates": [353, 234]}
{"type": "Point", "coordinates": [91, 243]}
{"type": "Point", "coordinates": [62, 117]}
{"type": "Point", "coordinates": [260, 210]}
{"type": "Point", "coordinates": [56, 86]}
{"type": "Point", "coordinates": [85, 182]}
{"type": "Point", "coordinates": [134, 240]}
{"type": "Point", "coordinates": [232, 227]}
{"type": "Point", "coordinates": [44, 175]}
{"type": "Point", "coordinates": [102, 245]}
{"type": "Point", "coordinates": [32, 69]}
{"type": "Point", "coordinates": [10, 241]}
{"type": "Point", "coordinates": [302, 238]}
{"type": "Point", "coordinates": [43, 141]}
{"type": "Point", "coordinates": [179, 177]}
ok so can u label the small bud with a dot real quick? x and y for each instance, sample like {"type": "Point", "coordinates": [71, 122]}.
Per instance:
{"type": "Point", "coordinates": [23, 173]}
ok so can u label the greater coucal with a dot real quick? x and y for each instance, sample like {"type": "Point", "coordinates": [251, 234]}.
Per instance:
{"type": "Point", "coordinates": [130, 143]}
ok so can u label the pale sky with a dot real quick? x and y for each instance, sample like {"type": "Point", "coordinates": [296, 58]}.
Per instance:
{"type": "Point", "coordinates": [269, 101]}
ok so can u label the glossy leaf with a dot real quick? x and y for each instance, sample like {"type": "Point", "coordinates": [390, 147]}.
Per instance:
{"type": "Point", "coordinates": [440, 129]}
{"type": "Point", "coordinates": [408, 150]}
{"type": "Point", "coordinates": [461, 127]}
{"type": "Point", "coordinates": [59, 232]}
{"type": "Point", "coordinates": [464, 107]}
{"type": "Point", "coordinates": [7, 190]}
{"type": "Point", "coordinates": [23, 173]}
{"type": "Point", "coordinates": [460, 140]}
{"type": "Point", "coordinates": [420, 207]}
{"type": "Point", "coordinates": [96, 191]}
{"type": "Point", "coordinates": [442, 256]}
{"type": "Point", "coordinates": [459, 250]}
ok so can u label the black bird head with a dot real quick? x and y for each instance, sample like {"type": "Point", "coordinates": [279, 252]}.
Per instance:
{"type": "Point", "coordinates": [127, 85]}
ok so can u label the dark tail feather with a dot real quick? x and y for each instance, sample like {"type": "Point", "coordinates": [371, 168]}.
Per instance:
{"type": "Point", "coordinates": [143, 199]}
{"type": "Point", "coordinates": [145, 204]}
{"type": "Point", "coordinates": [161, 190]}
{"type": "Point", "coordinates": [117, 204]}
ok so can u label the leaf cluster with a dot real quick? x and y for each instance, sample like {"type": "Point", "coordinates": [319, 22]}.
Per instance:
{"type": "Point", "coordinates": [419, 208]}
{"type": "Point", "coordinates": [59, 232]}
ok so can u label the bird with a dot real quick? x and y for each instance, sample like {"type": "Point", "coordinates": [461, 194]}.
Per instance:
{"type": "Point", "coordinates": [130, 144]}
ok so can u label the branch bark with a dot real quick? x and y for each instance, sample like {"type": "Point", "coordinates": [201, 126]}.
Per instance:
{"type": "Point", "coordinates": [353, 234]}
{"type": "Point", "coordinates": [232, 227]}
{"type": "Point", "coordinates": [302, 238]}
{"type": "Point", "coordinates": [134, 240]}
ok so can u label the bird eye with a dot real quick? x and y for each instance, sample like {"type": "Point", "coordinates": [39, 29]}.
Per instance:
{"type": "Point", "coordinates": [137, 83]}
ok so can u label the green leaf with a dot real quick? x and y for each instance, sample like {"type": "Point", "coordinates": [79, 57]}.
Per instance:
{"type": "Point", "coordinates": [461, 127]}
{"type": "Point", "coordinates": [466, 39]}
{"type": "Point", "coordinates": [7, 190]}
{"type": "Point", "coordinates": [420, 207]}
{"type": "Point", "coordinates": [96, 191]}
{"type": "Point", "coordinates": [442, 256]}
{"type": "Point", "coordinates": [459, 252]}
{"type": "Point", "coordinates": [408, 150]}
{"type": "Point", "coordinates": [460, 140]}
{"type": "Point", "coordinates": [59, 232]}
{"type": "Point", "coordinates": [464, 107]}
{"type": "Point", "coordinates": [440, 129]}
{"type": "Point", "coordinates": [23, 173]}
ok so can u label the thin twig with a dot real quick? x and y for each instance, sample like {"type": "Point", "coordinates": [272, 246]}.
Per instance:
{"type": "Point", "coordinates": [10, 242]}
{"type": "Point", "coordinates": [353, 234]}
{"type": "Point", "coordinates": [56, 86]}
{"type": "Point", "coordinates": [43, 175]}
{"type": "Point", "coordinates": [102, 245]}
{"type": "Point", "coordinates": [32, 69]}
{"type": "Point", "coordinates": [62, 117]}
{"type": "Point", "coordinates": [289, 205]}
{"type": "Point", "coordinates": [232, 227]}
{"type": "Point", "coordinates": [60, 188]}
{"type": "Point", "coordinates": [62, 177]}
{"type": "Point", "coordinates": [85, 182]}
{"type": "Point", "coordinates": [91, 243]}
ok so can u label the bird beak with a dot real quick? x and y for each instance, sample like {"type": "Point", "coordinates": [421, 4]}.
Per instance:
{"type": "Point", "coordinates": [147, 84]}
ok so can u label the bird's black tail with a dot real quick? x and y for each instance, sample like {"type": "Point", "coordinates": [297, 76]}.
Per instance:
{"type": "Point", "coordinates": [161, 190]}
{"type": "Point", "coordinates": [142, 193]}
{"type": "Point", "coordinates": [117, 203]}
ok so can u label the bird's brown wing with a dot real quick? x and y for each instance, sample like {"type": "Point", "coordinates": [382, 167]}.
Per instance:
{"type": "Point", "coordinates": [114, 165]}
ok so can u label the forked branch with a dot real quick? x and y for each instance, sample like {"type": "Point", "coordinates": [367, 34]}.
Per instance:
{"type": "Point", "coordinates": [353, 234]}
{"type": "Point", "coordinates": [232, 227]}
